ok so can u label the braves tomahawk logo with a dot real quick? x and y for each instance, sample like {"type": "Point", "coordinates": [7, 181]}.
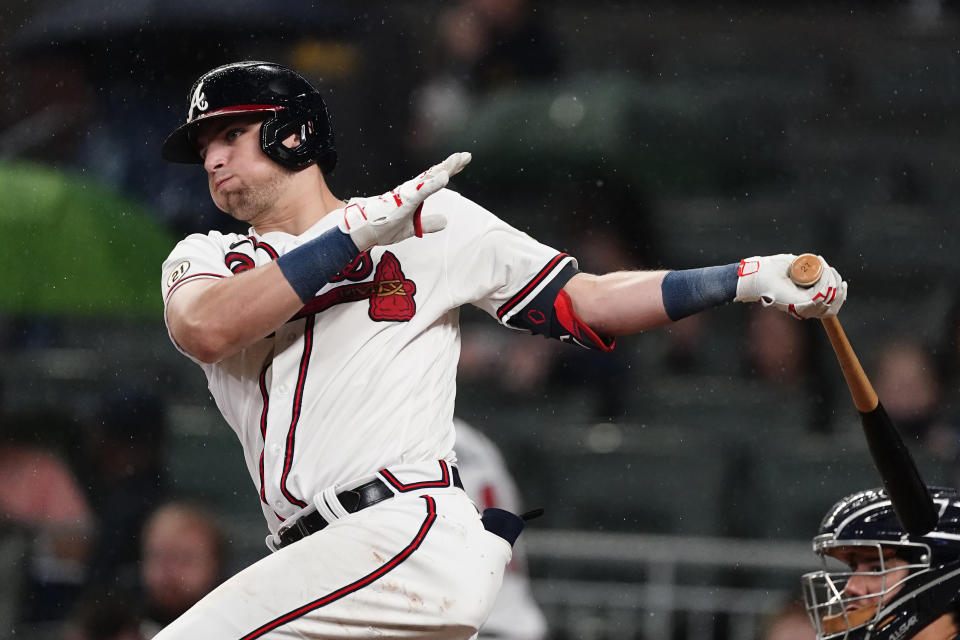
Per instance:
{"type": "Point", "coordinates": [392, 298]}
{"type": "Point", "coordinates": [390, 293]}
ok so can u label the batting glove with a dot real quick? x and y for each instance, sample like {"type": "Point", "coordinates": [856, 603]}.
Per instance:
{"type": "Point", "coordinates": [767, 279]}
{"type": "Point", "coordinates": [395, 216]}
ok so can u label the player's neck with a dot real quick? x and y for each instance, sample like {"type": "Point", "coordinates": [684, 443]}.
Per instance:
{"type": "Point", "coordinates": [943, 628]}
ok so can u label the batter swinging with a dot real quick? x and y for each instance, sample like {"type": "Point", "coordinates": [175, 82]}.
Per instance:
{"type": "Point", "coordinates": [329, 337]}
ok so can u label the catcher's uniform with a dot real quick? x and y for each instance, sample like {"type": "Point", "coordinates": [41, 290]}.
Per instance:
{"type": "Point", "coordinates": [345, 415]}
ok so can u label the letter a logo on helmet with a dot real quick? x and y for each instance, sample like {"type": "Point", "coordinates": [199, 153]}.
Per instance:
{"type": "Point", "coordinates": [199, 100]}
{"type": "Point", "coordinates": [287, 102]}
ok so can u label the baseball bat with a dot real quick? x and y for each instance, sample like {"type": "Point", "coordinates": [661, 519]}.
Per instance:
{"type": "Point", "coordinates": [906, 489]}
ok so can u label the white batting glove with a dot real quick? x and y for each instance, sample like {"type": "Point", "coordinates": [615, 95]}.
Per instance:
{"type": "Point", "coordinates": [767, 279]}
{"type": "Point", "coordinates": [395, 216]}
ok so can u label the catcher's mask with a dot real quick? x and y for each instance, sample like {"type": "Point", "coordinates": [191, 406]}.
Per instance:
{"type": "Point", "coordinates": [879, 582]}
{"type": "Point", "coordinates": [289, 104]}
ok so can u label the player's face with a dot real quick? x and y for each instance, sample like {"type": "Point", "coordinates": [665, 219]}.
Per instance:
{"type": "Point", "coordinates": [243, 181]}
{"type": "Point", "coordinates": [881, 580]}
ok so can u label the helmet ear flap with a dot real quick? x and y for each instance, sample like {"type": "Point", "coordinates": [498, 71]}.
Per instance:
{"type": "Point", "coordinates": [276, 131]}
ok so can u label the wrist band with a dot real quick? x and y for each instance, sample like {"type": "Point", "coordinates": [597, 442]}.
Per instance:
{"type": "Point", "coordinates": [311, 265]}
{"type": "Point", "coordinates": [691, 291]}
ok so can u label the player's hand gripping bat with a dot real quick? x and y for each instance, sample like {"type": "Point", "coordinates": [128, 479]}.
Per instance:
{"type": "Point", "coordinates": [898, 472]}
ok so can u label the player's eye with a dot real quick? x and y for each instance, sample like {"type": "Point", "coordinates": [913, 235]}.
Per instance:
{"type": "Point", "coordinates": [233, 134]}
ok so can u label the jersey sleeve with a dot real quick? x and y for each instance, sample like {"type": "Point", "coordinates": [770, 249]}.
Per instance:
{"type": "Point", "coordinates": [491, 264]}
{"type": "Point", "coordinates": [196, 257]}
{"type": "Point", "coordinates": [514, 278]}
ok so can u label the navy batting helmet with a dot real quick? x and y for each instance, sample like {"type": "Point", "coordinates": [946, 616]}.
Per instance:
{"type": "Point", "coordinates": [907, 595]}
{"type": "Point", "coordinates": [289, 105]}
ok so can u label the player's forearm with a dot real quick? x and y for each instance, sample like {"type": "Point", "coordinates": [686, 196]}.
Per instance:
{"type": "Point", "coordinates": [219, 319]}
{"type": "Point", "coordinates": [619, 303]}
{"type": "Point", "coordinates": [631, 301]}
{"type": "Point", "coordinates": [223, 317]}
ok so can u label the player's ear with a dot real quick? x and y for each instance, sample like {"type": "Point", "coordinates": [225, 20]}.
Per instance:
{"type": "Point", "coordinates": [292, 141]}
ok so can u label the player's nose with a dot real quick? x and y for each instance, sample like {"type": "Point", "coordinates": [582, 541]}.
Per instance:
{"type": "Point", "coordinates": [856, 587]}
{"type": "Point", "coordinates": [215, 158]}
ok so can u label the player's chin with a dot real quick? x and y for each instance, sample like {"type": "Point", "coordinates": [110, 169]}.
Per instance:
{"type": "Point", "coordinates": [232, 206]}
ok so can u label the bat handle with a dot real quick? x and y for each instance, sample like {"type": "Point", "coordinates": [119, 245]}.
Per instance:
{"type": "Point", "coordinates": [864, 396]}
{"type": "Point", "coordinates": [805, 271]}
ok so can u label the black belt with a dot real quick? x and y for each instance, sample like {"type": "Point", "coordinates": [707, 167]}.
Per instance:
{"type": "Point", "coordinates": [352, 500]}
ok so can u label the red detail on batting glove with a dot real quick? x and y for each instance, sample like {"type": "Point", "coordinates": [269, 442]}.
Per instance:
{"type": "Point", "coordinates": [346, 220]}
{"type": "Point", "coordinates": [417, 224]}
{"type": "Point", "coordinates": [396, 198]}
{"type": "Point", "coordinates": [831, 294]}
{"type": "Point", "coordinates": [419, 185]}
{"type": "Point", "coordinates": [746, 268]}
{"type": "Point", "coordinates": [793, 311]}
{"type": "Point", "coordinates": [577, 328]}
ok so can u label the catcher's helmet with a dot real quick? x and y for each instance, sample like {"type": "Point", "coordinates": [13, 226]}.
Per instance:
{"type": "Point", "coordinates": [289, 104]}
{"type": "Point", "coordinates": [910, 595]}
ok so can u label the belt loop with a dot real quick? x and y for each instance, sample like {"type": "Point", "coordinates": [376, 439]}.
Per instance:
{"type": "Point", "coordinates": [328, 505]}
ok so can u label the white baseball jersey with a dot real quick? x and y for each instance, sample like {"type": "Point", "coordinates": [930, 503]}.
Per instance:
{"type": "Point", "coordinates": [363, 377]}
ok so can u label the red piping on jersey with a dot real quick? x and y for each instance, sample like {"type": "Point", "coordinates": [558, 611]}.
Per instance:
{"type": "Point", "coordinates": [266, 247]}
{"type": "Point", "coordinates": [355, 586]}
{"type": "Point", "coordinates": [238, 262]}
{"type": "Point", "coordinates": [177, 284]}
{"type": "Point", "coordinates": [444, 480]}
{"type": "Point", "coordinates": [263, 423]}
{"type": "Point", "coordinates": [297, 407]}
{"type": "Point", "coordinates": [537, 279]}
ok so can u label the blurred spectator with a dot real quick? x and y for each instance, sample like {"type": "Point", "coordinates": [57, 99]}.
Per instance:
{"type": "Point", "coordinates": [907, 380]}
{"type": "Point", "coordinates": [51, 103]}
{"type": "Point", "coordinates": [948, 351]}
{"type": "Point", "coordinates": [684, 349]}
{"type": "Point", "coordinates": [485, 45]}
{"type": "Point", "coordinates": [790, 623]}
{"type": "Point", "coordinates": [516, 615]}
{"type": "Point", "coordinates": [41, 496]}
{"type": "Point", "coordinates": [782, 352]}
{"type": "Point", "coordinates": [124, 472]}
{"type": "Point", "coordinates": [103, 616]}
{"type": "Point", "coordinates": [777, 348]}
{"type": "Point", "coordinates": [183, 559]}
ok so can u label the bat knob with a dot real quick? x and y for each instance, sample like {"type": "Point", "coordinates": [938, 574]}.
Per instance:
{"type": "Point", "coordinates": [806, 270]}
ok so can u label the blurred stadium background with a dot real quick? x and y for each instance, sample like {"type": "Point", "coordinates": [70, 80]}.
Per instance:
{"type": "Point", "coordinates": [682, 477]}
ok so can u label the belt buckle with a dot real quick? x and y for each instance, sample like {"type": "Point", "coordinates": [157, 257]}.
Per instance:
{"type": "Point", "coordinates": [349, 500]}
{"type": "Point", "coordinates": [297, 530]}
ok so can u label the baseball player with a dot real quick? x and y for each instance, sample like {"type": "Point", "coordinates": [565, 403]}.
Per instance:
{"type": "Point", "coordinates": [884, 583]}
{"type": "Point", "coordinates": [329, 337]}
{"type": "Point", "coordinates": [487, 480]}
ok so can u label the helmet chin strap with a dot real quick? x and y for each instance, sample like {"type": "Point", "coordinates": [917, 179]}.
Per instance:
{"type": "Point", "coordinates": [846, 620]}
